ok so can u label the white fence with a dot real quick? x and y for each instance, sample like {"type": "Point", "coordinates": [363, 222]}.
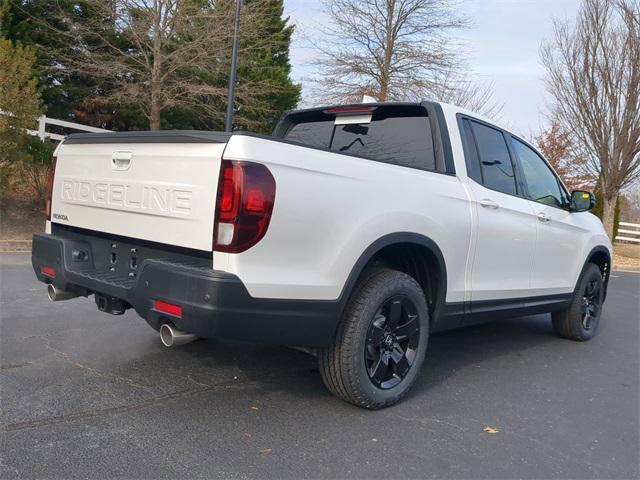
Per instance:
{"type": "Point", "coordinates": [43, 121]}
{"type": "Point", "coordinates": [629, 232]}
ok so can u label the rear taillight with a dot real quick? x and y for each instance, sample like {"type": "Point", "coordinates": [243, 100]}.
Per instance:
{"type": "Point", "coordinates": [246, 192]}
{"type": "Point", "coordinates": [50, 175]}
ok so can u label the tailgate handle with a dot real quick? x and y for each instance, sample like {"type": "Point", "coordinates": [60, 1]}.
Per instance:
{"type": "Point", "coordinates": [121, 160]}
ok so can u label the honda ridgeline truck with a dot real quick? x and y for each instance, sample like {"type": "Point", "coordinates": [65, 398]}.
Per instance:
{"type": "Point", "coordinates": [354, 231]}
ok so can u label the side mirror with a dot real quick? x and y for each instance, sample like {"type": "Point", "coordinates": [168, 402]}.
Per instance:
{"type": "Point", "coordinates": [582, 201]}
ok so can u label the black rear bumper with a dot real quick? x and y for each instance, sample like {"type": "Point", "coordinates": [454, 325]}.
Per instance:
{"type": "Point", "coordinates": [215, 304]}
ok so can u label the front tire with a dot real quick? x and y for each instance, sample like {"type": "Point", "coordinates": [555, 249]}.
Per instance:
{"type": "Point", "coordinates": [581, 318]}
{"type": "Point", "coordinates": [381, 342]}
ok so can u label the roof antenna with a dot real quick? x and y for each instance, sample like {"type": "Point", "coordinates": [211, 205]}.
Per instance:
{"type": "Point", "coordinates": [368, 99]}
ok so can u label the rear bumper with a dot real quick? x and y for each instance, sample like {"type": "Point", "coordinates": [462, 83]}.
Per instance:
{"type": "Point", "coordinates": [215, 304]}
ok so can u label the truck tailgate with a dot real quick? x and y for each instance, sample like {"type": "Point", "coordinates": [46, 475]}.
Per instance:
{"type": "Point", "coordinates": [152, 190]}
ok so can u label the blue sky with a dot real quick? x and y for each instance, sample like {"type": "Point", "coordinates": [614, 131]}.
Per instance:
{"type": "Point", "coordinates": [501, 46]}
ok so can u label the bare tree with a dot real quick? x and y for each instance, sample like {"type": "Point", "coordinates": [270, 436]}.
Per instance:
{"type": "Point", "coordinates": [162, 54]}
{"type": "Point", "coordinates": [593, 73]}
{"type": "Point", "coordinates": [558, 148]}
{"type": "Point", "coordinates": [388, 49]}
{"type": "Point", "coordinates": [468, 94]}
{"type": "Point", "coordinates": [632, 213]}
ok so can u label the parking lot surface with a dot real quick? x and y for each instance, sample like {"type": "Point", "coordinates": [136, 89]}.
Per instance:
{"type": "Point", "coordinates": [86, 394]}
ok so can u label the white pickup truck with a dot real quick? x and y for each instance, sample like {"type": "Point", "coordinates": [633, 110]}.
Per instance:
{"type": "Point", "coordinates": [354, 230]}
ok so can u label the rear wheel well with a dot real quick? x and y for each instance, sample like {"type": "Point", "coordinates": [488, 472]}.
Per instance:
{"type": "Point", "coordinates": [419, 262]}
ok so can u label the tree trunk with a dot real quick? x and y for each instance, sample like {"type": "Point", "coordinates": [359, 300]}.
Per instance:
{"type": "Point", "coordinates": [385, 74]}
{"type": "Point", "coordinates": [154, 116]}
{"type": "Point", "coordinates": [608, 213]}
{"type": "Point", "coordinates": [154, 107]}
{"type": "Point", "coordinates": [156, 84]}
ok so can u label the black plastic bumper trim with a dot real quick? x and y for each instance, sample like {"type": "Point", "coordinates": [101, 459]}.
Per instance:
{"type": "Point", "coordinates": [215, 304]}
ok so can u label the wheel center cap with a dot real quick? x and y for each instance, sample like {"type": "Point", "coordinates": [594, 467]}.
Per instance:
{"type": "Point", "coordinates": [388, 340]}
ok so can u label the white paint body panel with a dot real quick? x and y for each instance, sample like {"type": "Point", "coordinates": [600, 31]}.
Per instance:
{"type": "Point", "coordinates": [500, 265]}
{"type": "Point", "coordinates": [560, 243]}
{"type": "Point", "coordinates": [504, 250]}
{"type": "Point", "coordinates": [328, 209]}
{"type": "Point", "coordinates": [159, 192]}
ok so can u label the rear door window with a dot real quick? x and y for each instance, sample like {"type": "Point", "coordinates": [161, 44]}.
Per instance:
{"type": "Point", "coordinates": [495, 161]}
{"type": "Point", "coordinates": [470, 152]}
{"type": "Point", "coordinates": [398, 139]}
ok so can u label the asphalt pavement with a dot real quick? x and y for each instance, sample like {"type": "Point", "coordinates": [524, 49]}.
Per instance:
{"type": "Point", "coordinates": [89, 395]}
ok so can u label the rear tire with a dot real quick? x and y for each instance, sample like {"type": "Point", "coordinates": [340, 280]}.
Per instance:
{"type": "Point", "coordinates": [580, 319]}
{"type": "Point", "coordinates": [381, 341]}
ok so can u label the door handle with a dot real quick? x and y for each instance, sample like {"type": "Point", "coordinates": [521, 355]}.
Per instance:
{"type": "Point", "coordinates": [121, 160]}
{"type": "Point", "coordinates": [543, 217]}
{"type": "Point", "coordinates": [487, 203]}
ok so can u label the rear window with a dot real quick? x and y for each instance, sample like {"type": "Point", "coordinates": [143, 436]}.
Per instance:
{"type": "Point", "coordinates": [403, 138]}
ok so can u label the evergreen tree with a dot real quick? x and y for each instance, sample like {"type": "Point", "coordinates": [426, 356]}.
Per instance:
{"type": "Point", "coordinates": [92, 93]}
{"type": "Point", "coordinates": [20, 104]}
{"type": "Point", "coordinates": [270, 67]}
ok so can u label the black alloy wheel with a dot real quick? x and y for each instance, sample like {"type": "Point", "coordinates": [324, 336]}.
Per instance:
{"type": "Point", "coordinates": [392, 342]}
{"type": "Point", "coordinates": [591, 303]}
{"type": "Point", "coordinates": [381, 342]}
{"type": "Point", "coordinates": [580, 319]}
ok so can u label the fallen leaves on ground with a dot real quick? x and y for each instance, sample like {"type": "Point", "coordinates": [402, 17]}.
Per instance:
{"type": "Point", "coordinates": [490, 430]}
{"type": "Point", "coordinates": [620, 261]}
{"type": "Point", "coordinates": [266, 450]}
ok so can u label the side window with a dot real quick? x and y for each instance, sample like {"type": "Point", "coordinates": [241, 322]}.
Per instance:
{"type": "Point", "coordinates": [470, 152]}
{"type": "Point", "coordinates": [542, 183]}
{"type": "Point", "coordinates": [497, 170]}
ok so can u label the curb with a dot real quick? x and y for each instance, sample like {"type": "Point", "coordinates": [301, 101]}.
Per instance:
{"type": "Point", "coordinates": [24, 246]}
{"type": "Point", "coordinates": [7, 246]}
{"type": "Point", "coordinates": [626, 269]}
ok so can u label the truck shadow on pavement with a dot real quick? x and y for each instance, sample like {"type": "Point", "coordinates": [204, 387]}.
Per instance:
{"type": "Point", "coordinates": [450, 353]}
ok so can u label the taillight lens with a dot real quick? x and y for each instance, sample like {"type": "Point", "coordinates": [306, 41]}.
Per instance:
{"type": "Point", "coordinates": [246, 192]}
{"type": "Point", "coordinates": [50, 176]}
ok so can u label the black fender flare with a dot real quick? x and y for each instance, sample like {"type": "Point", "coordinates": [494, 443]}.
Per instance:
{"type": "Point", "coordinates": [391, 239]}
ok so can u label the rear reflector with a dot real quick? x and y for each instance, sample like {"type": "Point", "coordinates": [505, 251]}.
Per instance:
{"type": "Point", "coordinates": [170, 308]}
{"type": "Point", "coordinates": [48, 271]}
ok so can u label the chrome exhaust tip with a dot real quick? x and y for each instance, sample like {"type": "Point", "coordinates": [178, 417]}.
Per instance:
{"type": "Point", "coordinates": [57, 295]}
{"type": "Point", "coordinates": [172, 337]}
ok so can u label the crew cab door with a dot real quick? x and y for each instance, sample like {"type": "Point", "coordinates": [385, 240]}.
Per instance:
{"type": "Point", "coordinates": [559, 236]}
{"type": "Point", "coordinates": [506, 226]}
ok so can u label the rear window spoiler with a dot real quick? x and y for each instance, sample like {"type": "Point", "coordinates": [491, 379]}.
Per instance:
{"type": "Point", "coordinates": [168, 136]}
